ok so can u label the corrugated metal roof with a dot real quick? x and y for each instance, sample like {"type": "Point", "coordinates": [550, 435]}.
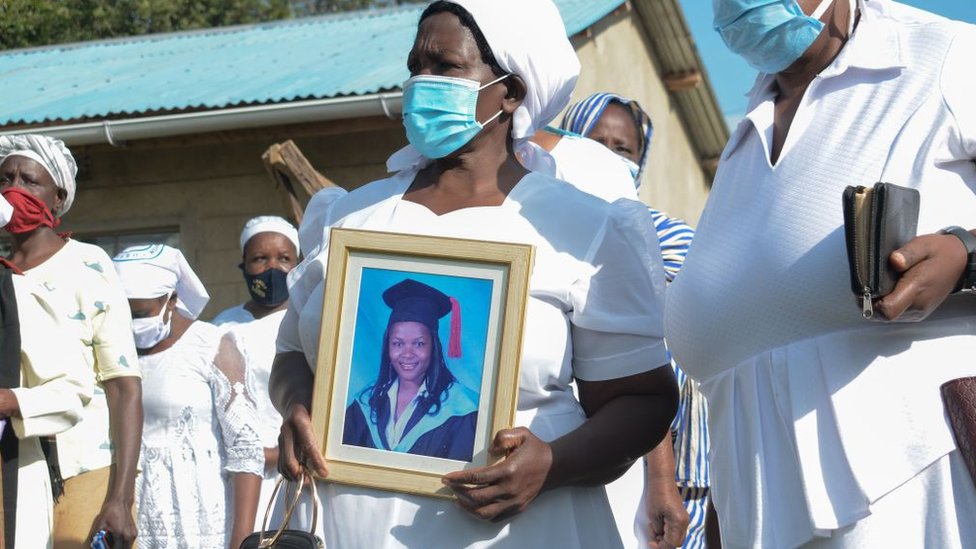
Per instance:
{"type": "Point", "coordinates": [677, 54]}
{"type": "Point", "coordinates": [318, 57]}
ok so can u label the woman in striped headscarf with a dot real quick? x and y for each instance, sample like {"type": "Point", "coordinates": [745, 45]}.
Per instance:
{"type": "Point", "coordinates": [618, 123]}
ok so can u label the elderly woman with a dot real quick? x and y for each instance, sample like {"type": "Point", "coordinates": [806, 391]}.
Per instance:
{"type": "Point", "coordinates": [37, 176]}
{"type": "Point", "coordinates": [41, 394]}
{"type": "Point", "coordinates": [485, 75]}
{"type": "Point", "coordinates": [622, 126]}
{"type": "Point", "coordinates": [200, 445]}
{"type": "Point", "coordinates": [269, 251]}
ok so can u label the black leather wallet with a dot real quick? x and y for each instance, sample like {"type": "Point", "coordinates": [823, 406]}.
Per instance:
{"type": "Point", "coordinates": [877, 221]}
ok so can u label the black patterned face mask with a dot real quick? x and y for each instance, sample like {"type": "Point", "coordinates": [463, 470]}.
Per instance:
{"type": "Point", "coordinates": [269, 288]}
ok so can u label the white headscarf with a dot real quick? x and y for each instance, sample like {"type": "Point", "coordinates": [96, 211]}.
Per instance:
{"type": "Point", "coordinates": [6, 211]}
{"type": "Point", "coordinates": [270, 224]}
{"type": "Point", "coordinates": [50, 153]}
{"type": "Point", "coordinates": [528, 39]}
{"type": "Point", "coordinates": [154, 270]}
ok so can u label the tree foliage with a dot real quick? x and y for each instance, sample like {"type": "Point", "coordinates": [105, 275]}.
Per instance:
{"type": "Point", "coordinates": [311, 7]}
{"type": "Point", "coordinates": [27, 23]}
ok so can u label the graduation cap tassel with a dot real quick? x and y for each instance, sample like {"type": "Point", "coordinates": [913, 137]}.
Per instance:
{"type": "Point", "coordinates": [454, 344]}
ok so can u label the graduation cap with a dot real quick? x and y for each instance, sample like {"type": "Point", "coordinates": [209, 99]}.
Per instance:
{"type": "Point", "coordinates": [413, 301]}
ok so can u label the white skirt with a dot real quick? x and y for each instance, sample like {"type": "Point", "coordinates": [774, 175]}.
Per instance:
{"type": "Point", "coordinates": [934, 510]}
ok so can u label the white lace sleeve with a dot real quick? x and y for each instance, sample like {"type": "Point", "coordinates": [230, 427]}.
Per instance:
{"type": "Point", "coordinates": [236, 411]}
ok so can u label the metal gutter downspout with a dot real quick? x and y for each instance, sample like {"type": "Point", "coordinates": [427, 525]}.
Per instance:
{"type": "Point", "coordinates": [115, 132]}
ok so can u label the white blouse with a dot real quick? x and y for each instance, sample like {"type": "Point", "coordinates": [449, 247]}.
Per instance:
{"type": "Point", "coordinates": [809, 403]}
{"type": "Point", "coordinates": [594, 312]}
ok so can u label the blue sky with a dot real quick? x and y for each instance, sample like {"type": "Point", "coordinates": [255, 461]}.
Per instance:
{"type": "Point", "coordinates": [732, 78]}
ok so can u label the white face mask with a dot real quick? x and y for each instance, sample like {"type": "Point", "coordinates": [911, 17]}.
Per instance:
{"type": "Point", "coordinates": [148, 332]}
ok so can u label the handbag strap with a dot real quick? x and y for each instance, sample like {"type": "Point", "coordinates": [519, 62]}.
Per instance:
{"type": "Point", "coordinates": [289, 511]}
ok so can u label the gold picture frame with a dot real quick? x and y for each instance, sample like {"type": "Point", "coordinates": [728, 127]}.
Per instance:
{"type": "Point", "coordinates": [492, 279]}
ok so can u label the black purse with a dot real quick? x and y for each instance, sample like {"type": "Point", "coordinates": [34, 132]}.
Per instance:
{"type": "Point", "coordinates": [877, 221]}
{"type": "Point", "coordinates": [284, 537]}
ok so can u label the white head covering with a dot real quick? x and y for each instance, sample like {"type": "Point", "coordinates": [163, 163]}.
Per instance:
{"type": "Point", "coordinates": [154, 270]}
{"type": "Point", "coordinates": [272, 224]}
{"type": "Point", "coordinates": [6, 211]}
{"type": "Point", "coordinates": [528, 39]}
{"type": "Point", "coordinates": [50, 153]}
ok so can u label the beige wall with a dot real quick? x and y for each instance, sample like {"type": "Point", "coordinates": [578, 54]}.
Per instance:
{"type": "Point", "coordinates": [616, 58]}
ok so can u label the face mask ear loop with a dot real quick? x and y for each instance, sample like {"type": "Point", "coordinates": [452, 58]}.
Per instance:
{"type": "Point", "coordinates": [821, 9]}
{"type": "Point", "coordinates": [493, 82]}
{"type": "Point", "coordinates": [497, 114]}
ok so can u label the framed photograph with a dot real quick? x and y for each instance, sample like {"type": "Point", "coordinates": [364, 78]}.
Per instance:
{"type": "Point", "coordinates": [419, 352]}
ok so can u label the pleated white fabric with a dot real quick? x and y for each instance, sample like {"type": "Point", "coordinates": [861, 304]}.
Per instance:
{"type": "Point", "coordinates": [817, 415]}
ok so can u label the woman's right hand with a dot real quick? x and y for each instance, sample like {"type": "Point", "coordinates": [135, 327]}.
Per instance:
{"type": "Point", "coordinates": [297, 446]}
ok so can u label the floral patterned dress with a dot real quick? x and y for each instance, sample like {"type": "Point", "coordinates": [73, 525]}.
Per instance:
{"type": "Point", "coordinates": [198, 430]}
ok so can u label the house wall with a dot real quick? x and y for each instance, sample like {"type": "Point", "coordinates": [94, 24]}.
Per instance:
{"type": "Point", "coordinates": [206, 187]}
{"type": "Point", "coordinates": [617, 58]}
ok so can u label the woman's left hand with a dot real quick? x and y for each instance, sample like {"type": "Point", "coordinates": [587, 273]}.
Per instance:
{"type": "Point", "coordinates": [503, 490]}
{"type": "Point", "coordinates": [931, 266]}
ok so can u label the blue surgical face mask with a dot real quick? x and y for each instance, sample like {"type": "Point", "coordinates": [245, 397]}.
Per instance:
{"type": "Point", "coordinates": [439, 113]}
{"type": "Point", "coordinates": [769, 34]}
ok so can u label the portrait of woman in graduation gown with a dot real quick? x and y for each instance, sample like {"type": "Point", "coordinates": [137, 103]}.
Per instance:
{"type": "Point", "coordinates": [415, 405]}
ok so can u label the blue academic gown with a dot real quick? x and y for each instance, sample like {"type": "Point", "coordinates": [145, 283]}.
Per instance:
{"type": "Point", "coordinates": [448, 434]}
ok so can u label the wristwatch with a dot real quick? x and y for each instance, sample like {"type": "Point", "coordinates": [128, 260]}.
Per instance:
{"type": "Point", "coordinates": [969, 241]}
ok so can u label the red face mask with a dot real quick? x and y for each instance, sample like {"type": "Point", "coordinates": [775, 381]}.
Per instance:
{"type": "Point", "coordinates": [30, 212]}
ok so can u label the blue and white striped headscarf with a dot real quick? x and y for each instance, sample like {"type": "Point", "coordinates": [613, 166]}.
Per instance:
{"type": "Point", "coordinates": [582, 116]}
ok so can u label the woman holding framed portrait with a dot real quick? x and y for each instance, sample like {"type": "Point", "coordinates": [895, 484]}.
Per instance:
{"type": "Point", "coordinates": [485, 75]}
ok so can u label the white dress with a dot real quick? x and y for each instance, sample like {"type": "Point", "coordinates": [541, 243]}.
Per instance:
{"type": "Point", "coordinates": [827, 428]}
{"type": "Point", "coordinates": [232, 316]}
{"type": "Point", "coordinates": [594, 312]}
{"type": "Point", "coordinates": [256, 342]}
{"type": "Point", "coordinates": [198, 428]}
{"type": "Point", "coordinates": [594, 169]}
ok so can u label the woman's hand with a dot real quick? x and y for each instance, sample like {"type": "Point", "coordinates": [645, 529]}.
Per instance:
{"type": "Point", "coordinates": [116, 517]}
{"type": "Point", "coordinates": [931, 266]}
{"type": "Point", "coordinates": [503, 490]}
{"type": "Point", "coordinates": [9, 406]}
{"type": "Point", "coordinates": [297, 445]}
{"type": "Point", "coordinates": [667, 517]}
